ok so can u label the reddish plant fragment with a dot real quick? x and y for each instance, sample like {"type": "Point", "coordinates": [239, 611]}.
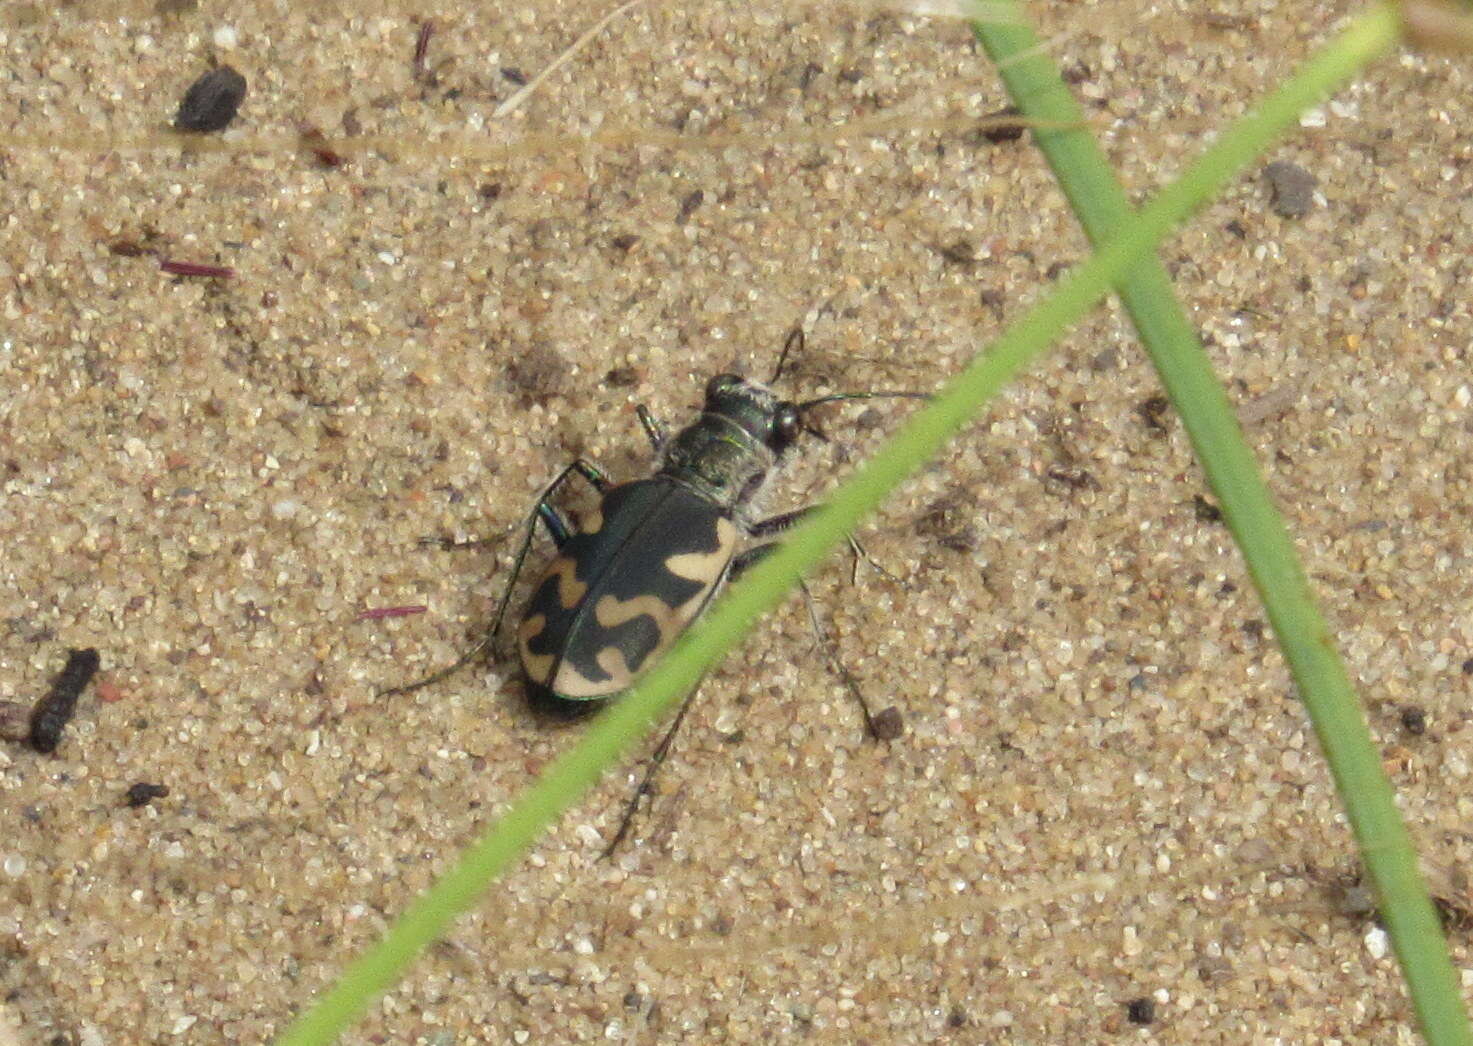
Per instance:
{"type": "Point", "coordinates": [184, 268]}
{"type": "Point", "coordinates": [379, 613]}
{"type": "Point", "coordinates": [422, 47]}
{"type": "Point", "coordinates": [316, 143]}
{"type": "Point", "coordinates": [108, 691]}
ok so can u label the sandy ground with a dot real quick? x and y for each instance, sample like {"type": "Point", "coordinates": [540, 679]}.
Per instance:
{"type": "Point", "coordinates": [1107, 791]}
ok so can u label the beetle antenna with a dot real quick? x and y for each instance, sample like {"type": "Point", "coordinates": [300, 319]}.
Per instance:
{"type": "Point", "coordinates": [793, 341]}
{"type": "Point", "coordinates": [841, 396]}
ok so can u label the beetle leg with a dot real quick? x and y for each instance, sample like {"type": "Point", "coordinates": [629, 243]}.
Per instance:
{"type": "Point", "coordinates": [657, 760]}
{"type": "Point", "coordinates": [831, 654]}
{"type": "Point", "coordinates": [652, 427]}
{"type": "Point", "coordinates": [557, 527]}
{"type": "Point", "coordinates": [767, 528]}
{"type": "Point", "coordinates": [555, 523]}
{"type": "Point", "coordinates": [745, 559]}
{"type": "Point", "coordinates": [775, 525]}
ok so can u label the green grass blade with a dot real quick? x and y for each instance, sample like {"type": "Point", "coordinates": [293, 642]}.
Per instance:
{"type": "Point", "coordinates": [1308, 645]}
{"type": "Point", "coordinates": [571, 775]}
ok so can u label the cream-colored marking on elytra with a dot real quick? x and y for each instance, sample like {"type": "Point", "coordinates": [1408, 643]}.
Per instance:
{"type": "Point", "coordinates": [537, 666]}
{"type": "Point", "coordinates": [572, 683]}
{"type": "Point", "coordinates": [611, 611]}
{"type": "Point", "coordinates": [706, 567]}
{"type": "Point", "coordinates": [569, 589]}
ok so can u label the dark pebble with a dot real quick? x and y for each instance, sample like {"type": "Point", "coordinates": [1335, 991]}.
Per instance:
{"type": "Point", "coordinates": [1007, 132]}
{"type": "Point", "coordinates": [1413, 720]}
{"type": "Point", "coordinates": [1292, 188]}
{"type": "Point", "coordinates": [211, 101]}
{"type": "Point", "coordinates": [889, 724]}
{"type": "Point", "coordinates": [1141, 1011]}
{"type": "Point", "coordinates": [143, 793]}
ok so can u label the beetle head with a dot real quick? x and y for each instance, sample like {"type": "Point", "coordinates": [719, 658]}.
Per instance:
{"type": "Point", "coordinates": [774, 422]}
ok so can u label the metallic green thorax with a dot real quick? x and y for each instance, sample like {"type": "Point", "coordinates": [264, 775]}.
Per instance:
{"type": "Point", "coordinates": [726, 454]}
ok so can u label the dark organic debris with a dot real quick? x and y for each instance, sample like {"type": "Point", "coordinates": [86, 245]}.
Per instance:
{"type": "Point", "coordinates": [143, 793]}
{"type": "Point", "coordinates": [211, 101]}
{"type": "Point", "coordinates": [54, 711]}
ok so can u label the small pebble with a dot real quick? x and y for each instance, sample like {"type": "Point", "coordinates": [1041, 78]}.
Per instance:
{"type": "Point", "coordinates": [15, 721]}
{"type": "Point", "coordinates": [1377, 942]}
{"type": "Point", "coordinates": [1359, 900]}
{"type": "Point", "coordinates": [211, 101]}
{"type": "Point", "coordinates": [1291, 188]}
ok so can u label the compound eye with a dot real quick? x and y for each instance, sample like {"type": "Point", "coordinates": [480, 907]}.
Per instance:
{"type": "Point", "coordinates": [787, 423]}
{"type": "Point", "coordinates": [721, 384]}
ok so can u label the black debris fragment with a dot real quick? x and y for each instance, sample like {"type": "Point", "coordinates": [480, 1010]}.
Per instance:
{"type": "Point", "coordinates": [959, 252]}
{"type": "Point", "coordinates": [1291, 188]}
{"type": "Point", "coordinates": [143, 793]}
{"type": "Point", "coordinates": [54, 711]}
{"type": "Point", "coordinates": [1205, 510]}
{"type": "Point", "coordinates": [1153, 412]}
{"type": "Point", "coordinates": [211, 101]}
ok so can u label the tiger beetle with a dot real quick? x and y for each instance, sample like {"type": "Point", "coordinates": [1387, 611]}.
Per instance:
{"type": "Point", "coordinates": [631, 576]}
